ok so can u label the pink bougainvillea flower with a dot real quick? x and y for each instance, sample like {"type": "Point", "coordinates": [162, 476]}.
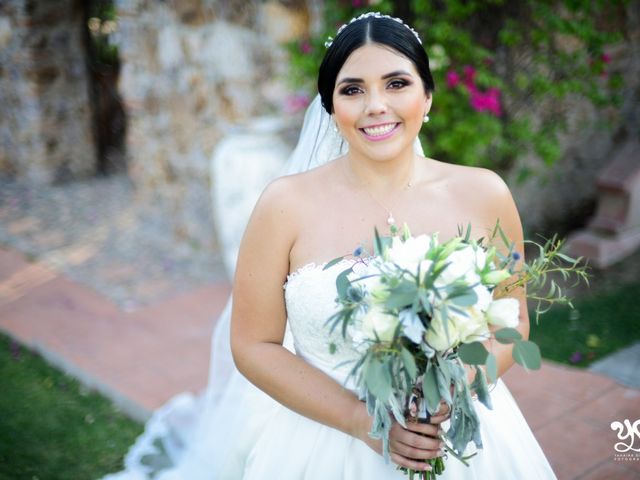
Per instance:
{"type": "Point", "coordinates": [453, 79]}
{"type": "Point", "coordinates": [469, 76]}
{"type": "Point", "coordinates": [606, 58]}
{"type": "Point", "coordinates": [488, 101]}
{"type": "Point", "coordinates": [305, 47]}
{"type": "Point", "coordinates": [357, 3]}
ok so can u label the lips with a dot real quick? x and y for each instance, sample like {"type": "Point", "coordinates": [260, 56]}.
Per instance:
{"type": "Point", "coordinates": [379, 130]}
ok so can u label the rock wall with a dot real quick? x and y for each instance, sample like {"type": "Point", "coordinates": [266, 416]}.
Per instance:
{"type": "Point", "coordinates": [45, 125]}
{"type": "Point", "coordinates": [564, 197]}
{"type": "Point", "coordinates": [191, 70]}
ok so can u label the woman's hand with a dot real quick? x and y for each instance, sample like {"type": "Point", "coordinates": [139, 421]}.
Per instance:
{"type": "Point", "coordinates": [408, 447]}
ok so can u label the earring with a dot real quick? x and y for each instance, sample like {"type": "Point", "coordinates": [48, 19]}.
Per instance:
{"type": "Point", "coordinates": [425, 118]}
{"type": "Point", "coordinates": [334, 125]}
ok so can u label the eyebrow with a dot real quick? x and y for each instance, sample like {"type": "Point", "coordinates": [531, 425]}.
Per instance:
{"type": "Point", "coordinates": [395, 73]}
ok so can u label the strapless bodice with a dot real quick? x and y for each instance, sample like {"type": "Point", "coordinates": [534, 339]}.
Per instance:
{"type": "Point", "coordinates": [310, 296]}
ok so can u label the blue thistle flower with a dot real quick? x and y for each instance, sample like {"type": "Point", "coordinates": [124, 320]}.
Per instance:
{"type": "Point", "coordinates": [357, 252]}
{"type": "Point", "coordinates": [515, 256]}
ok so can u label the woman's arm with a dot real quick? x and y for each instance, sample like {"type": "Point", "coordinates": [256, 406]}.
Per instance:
{"type": "Point", "coordinates": [258, 326]}
{"type": "Point", "coordinates": [501, 207]}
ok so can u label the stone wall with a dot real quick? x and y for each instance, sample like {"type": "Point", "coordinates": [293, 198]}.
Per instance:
{"type": "Point", "coordinates": [190, 71]}
{"type": "Point", "coordinates": [45, 125]}
{"type": "Point", "coordinates": [563, 198]}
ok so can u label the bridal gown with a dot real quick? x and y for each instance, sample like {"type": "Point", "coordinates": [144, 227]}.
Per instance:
{"type": "Point", "coordinates": [243, 434]}
{"type": "Point", "coordinates": [289, 446]}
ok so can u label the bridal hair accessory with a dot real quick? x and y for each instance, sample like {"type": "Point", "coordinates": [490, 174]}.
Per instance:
{"type": "Point", "coordinates": [425, 119]}
{"type": "Point", "coordinates": [329, 41]}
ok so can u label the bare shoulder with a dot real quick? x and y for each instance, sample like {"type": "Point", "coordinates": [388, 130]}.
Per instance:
{"type": "Point", "coordinates": [482, 180]}
{"type": "Point", "coordinates": [482, 194]}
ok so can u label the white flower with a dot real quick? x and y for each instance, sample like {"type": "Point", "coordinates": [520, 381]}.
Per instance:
{"type": "Point", "coordinates": [410, 253]}
{"type": "Point", "coordinates": [462, 328]}
{"type": "Point", "coordinates": [485, 297]}
{"type": "Point", "coordinates": [436, 335]}
{"type": "Point", "coordinates": [473, 327]}
{"type": "Point", "coordinates": [412, 327]}
{"type": "Point", "coordinates": [463, 264]}
{"type": "Point", "coordinates": [377, 322]}
{"type": "Point", "coordinates": [504, 312]}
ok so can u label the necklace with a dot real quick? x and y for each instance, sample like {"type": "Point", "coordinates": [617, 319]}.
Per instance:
{"type": "Point", "coordinates": [390, 218]}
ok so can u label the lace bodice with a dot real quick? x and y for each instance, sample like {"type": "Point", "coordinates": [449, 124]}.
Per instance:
{"type": "Point", "coordinates": [310, 295]}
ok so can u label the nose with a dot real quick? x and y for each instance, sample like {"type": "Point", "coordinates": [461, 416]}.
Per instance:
{"type": "Point", "coordinates": [375, 103]}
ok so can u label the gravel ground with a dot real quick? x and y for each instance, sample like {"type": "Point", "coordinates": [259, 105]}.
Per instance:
{"type": "Point", "coordinates": [99, 234]}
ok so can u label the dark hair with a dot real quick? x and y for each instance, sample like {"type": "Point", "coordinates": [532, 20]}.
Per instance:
{"type": "Point", "coordinates": [384, 31]}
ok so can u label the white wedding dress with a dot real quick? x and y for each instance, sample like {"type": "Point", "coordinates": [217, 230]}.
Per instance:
{"type": "Point", "coordinates": [289, 446]}
{"type": "Point", "coordinates": [236, 432]}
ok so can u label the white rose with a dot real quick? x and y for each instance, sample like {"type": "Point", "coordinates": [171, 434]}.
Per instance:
{"type": "Point", "coordinates": [462, 264]}
{"type": "Point", "coordinates": [504, 312]}
{"type": "Point", "coordinates": [473, 327]}
{"type": "Point", "coordinates": [436, 335]}
{"type": "Point", "coordinates": [377, 322]}
{"type": "Point", "coordinates": [485, 297]}
{"type": "Point", "coordinates": [410, 253]}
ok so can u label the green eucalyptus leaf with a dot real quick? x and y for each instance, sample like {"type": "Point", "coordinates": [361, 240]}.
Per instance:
{"type": "Point", "coordinates": [527, 354]}
{"type": "Point", "coordinates": [480, 386]}
{"type": "Point", "coordinates": [507, 335]}
{"type": "Point", "coordinates": [333, 262]}
{"type": "Point", "coordinates": [492, 368]}
{"type": "Point", "coordinates": [430, 390]}
{"type": "Point", "coordinates": [473, 353]}
{"type": "Point", "coordinates": [409, 362]}
{"type": "Point", "coordinates": [463, 297]}
{"type": "Point", "coordinates": [343, 283]}
{"type": "Point", "coordinates": [378, 380]}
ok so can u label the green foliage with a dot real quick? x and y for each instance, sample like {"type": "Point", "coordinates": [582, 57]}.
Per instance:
{"type": "Point", "coordinates": [53, 428]}
{"type": "Point", "coordinates": [501, 69]}
{"type": "Point", "coordinates": [598, 326]}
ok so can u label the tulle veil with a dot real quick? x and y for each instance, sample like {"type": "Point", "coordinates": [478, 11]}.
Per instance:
{"type": "Point", "coordinates": [206, 436]}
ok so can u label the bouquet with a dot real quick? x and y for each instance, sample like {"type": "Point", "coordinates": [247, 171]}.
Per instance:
{"type": "Point", "coordinates": [418, 311]}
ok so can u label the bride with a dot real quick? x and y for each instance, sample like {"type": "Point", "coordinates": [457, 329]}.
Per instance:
{"type": "Point", "coordinates": [358, 165]}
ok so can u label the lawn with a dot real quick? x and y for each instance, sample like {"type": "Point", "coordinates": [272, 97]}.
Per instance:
{"type": "Point", "coordinates": [600, 325]}
{"type": "Point", "coordinates": [51, 427]}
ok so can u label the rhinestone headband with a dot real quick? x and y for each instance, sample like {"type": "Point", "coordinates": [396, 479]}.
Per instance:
{"type": "Point", "coordinates": [329, 41]}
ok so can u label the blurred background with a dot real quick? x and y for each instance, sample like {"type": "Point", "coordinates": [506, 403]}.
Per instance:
{"type": "Point", "coordinates": [135, 136]}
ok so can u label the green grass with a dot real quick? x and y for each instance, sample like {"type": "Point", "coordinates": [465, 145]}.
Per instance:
{"type": "Point", "coordinates": [52, 428]}
{"type": "Point", "coordinates": [600, 325]}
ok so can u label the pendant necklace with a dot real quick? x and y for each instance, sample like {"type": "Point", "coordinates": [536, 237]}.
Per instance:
{"type": "Point", "coordinates": [390, 218]}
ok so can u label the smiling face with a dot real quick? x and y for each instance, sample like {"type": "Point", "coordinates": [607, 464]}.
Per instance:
{"type": "Point", "coordinates": [379, 102]}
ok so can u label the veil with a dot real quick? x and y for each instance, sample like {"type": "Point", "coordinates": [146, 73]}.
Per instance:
{"type": "Point", "coordinates": [208, 437]}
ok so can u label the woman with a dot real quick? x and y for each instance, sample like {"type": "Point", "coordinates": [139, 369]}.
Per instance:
{"type": "Point", "coordinates": [376, 85]}
{"type": "Point", "coordinates": [361, 133]}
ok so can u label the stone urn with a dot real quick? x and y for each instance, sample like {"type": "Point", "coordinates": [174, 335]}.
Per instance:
{"type": "Point", "coordinates": [242, 164]}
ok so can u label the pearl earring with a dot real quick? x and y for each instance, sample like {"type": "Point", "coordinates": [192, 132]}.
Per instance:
{"type": "Point", "coordinates": [426, 118]}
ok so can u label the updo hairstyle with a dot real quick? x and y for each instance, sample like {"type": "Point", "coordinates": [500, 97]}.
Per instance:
{"type": "Point", "coordinates": [383, 31]}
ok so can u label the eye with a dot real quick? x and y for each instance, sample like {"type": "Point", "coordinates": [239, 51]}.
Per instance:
{"type": "Point", "coordinates": [398, 83]}
{"type": "Point", "coordinates": [350, 90]}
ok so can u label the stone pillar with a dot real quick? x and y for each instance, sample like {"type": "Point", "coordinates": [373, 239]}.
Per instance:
{"type": "Point", "coordinates": [45, 125]}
